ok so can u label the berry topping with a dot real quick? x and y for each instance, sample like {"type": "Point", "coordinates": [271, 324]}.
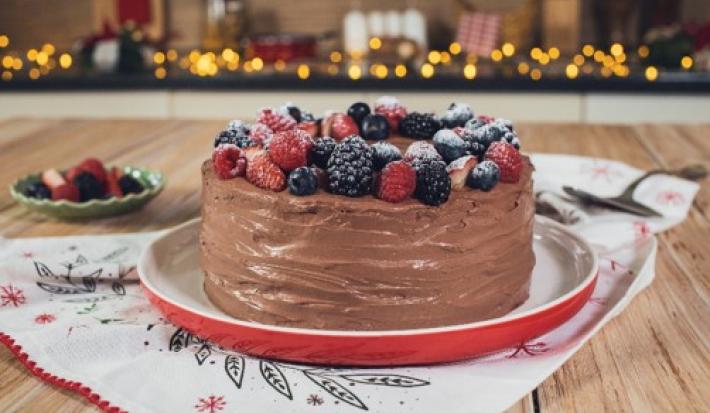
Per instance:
{"type": "Point", "coordinates": [419, 125]}
{"type": "Point", "coordinates": [375, 127]}
{"type": "Point", "coordinates": [396, 182]}
{"type": "Point", "coordinates": [449, 145]}
{"type": "Point", "coordinates": [350, 168]}
{"type": "Point", "coordinates": [228, 161]}
{"type": "Point", "coordinates": [358, 111]}
{"type": "Point", "coordinates": [94, 167]}
{"type": "Point", "coordinates": [321, 151]}
{"type": "Point", "coordinates": [289, 149]}
{"type": "Point", "coordinates": [390, 108]}
{"type": "Point", "coordinates": [473, 147]}
{"type": "Point", "coordinates": [252, 152]}
{"type": "Point", "coordinates": [477, 122]}
{"type": "Point", "coordinates": [459, 170]}
{"type": "Point", "coordinates": [264, 173]}
{"type": "Point", "coordinates": [52, 178]}
{"type": "Point", "coordinates": [130, 185]}
{"type": "Point", "coordinates": [72, 172]}
{"type": "Point", "coordinates": [277, 122]}
{"type": "Point", "coordinates": [238, 126]}
{"type": "Point", "coordinates": [37, 190]}
{"type": "Point", "coordinates": [309, 126]}
{"type": "Point", "coordinates": [421, 150]}
{"type": "Point", "coordinates": [384, 153]}
{"type": "Point", "coordinates": [290, 109]}
{"type": "Point", "coordinates": [67, 191]}
{"type": "Point", "coordinates": [457, 115]}
{"type": "Point", "coordinates": [433, 182]}
{"type": "Point", "coordinates": [233, 137]}
{"type": "Point", "coordinates": [484, 176]}
{"type": "Point", "coordinates": [89, 186]}
{"type": "Point", "coordinates": [342, 126]}
{"type": "Point", "coordinates": [508, 160]}
{"type": "Point", "coordinates": [112, 186]}
{"type": "Point", "coordinates": [302, 181]}
{"type": "Point", "coordinates": [259, 134]}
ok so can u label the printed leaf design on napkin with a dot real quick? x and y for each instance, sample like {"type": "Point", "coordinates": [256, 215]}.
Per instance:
{"type": "Point", "coordinates": [234, 366]}
{"type": "Point", "coordinates": [88, 282]}
{"type": "Point", "coordinates": [275, 378]}
{"type": "Point", "coordinates": [393, 380]}
{"type": "Point", "coordinates": [118, 288]}
{"type": "Point", "coordinates": [335, 389]}
{"type": "Point", "coordinates": [203, 353]}
{"type": "Point", "coordinates": [179, 340]}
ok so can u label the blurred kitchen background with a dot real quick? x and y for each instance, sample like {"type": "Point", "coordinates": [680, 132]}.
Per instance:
{"type": "Point", "coordinates": [617, 61]}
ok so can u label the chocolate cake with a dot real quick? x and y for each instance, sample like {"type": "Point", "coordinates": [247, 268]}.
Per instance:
{"type": "Point", "coordinates": [400, 256]}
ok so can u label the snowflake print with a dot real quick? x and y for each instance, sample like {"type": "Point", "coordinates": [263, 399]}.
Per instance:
{"type": "Point", "coordinates": [211, 404]}
{"type": "Point", "coordinates": [670, 197]}
{"type": "Point", "coordinates": [314, 400]}
{"type": "Point", "coordinates": [531, 349]}
{"type": "Point", "coordinates": [642, 229]}
{"type": "Point", "coordinates": [9, 295]}
{"type": "Point", "coordinates": [45, 318]}
{"type": "Point", "coordinates": [601, 171]}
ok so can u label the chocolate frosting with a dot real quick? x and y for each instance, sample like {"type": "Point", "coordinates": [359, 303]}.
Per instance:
{"type": "Point", "coordinates": [338, 263]}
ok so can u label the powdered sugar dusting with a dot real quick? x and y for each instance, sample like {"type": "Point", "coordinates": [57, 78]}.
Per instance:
{"type": "Point", "coordinates": [448, 137]}
{"type": "Point", "coordinates": [421, 150]}
{"type": "Point", "coordinates": [459, 110]}
{"type": "Point", "coordinates": [261, 134]}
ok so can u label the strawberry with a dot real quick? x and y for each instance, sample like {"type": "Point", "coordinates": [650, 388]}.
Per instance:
{"type": "Point", "coordinates": [67, 191]}
{"type": "Point", "coordinates": [72, 173]}
{"type": "Point", "coordinates": [342, 126]}
{"type": "Point", "coordinates": [397, 182]}
{"type": "Point", "coordinates": [459, 169]}
{"type": "Point", "coordinates": [52, 178]}
{"type": "Point", "coordinates": [276, 121]}
{"type": "Point", "coordinates": [392, 109]}
{"type": "Point", "coordinates": [508, 160]}
{"type": "Point", "coordinates": [289, 149]}
{"type": "Point", "coordinates": [309, 126]}
{"type": "Point", "coordinates": [94, 167]}
{"type": "Point", "coordinates": [264, 173]}
{"type": "Point", "coordinates": [228, 162]}
{"type": "Point", "coordinates": [112, 186]}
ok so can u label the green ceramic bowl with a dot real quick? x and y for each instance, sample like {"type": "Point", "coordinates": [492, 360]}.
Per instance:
{"type": "Point", "coordinates": [153, 182]}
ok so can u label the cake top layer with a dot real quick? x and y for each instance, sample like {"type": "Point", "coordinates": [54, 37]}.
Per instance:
{"type": "Point", "coordinates": [388, 152]}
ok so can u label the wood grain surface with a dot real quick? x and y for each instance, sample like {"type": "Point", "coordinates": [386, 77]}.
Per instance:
{"type": "Point", "coordinates": [654, 357]}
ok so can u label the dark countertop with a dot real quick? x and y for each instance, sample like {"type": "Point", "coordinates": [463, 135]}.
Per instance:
{"type": "Point", "coordinates": [686, 83]}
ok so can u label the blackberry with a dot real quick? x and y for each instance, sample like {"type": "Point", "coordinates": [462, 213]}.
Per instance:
{"type": "Point", "coordinates": [457, 115]}
{"type": "Point", "coordinates": [433, 182]}
{"type": "Point", "coordinates": [130, 185]}
{"type": "Point", "coordinates": [350, 167]}
{"type": "Point", "coordinates": [449, 145]}
{"type": "Point", "coordinates": [484, 176]}
{"type": "Point", "coordinates": [322, 148]}
{"type": "Point", "coordinates": [89, 187]}
{"type": "Point", "coordinates": [302, 181]}
{"type": "Point", "coordinates": [37, 190]}
{"type": "Point", "coordinates": [419, 125]}
{"type": "Point", "coordinates": [384, 153]}
{"type": "Point", "coordinates": [235, 137]}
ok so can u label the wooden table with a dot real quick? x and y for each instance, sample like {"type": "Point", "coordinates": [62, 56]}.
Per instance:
{"type": "Point", "coordinates": [655, 356]}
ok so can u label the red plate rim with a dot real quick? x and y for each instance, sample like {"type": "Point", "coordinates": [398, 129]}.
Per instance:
{"type": "Point", "coordinates": [589, 278]}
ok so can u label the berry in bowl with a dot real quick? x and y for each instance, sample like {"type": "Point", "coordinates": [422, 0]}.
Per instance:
{"type": "Point", "coordinates": [88, 190]}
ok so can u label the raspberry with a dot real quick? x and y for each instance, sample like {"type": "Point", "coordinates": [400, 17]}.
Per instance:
{"type": "Point", "coordinates": [112, 186]}
{"type": "Point", "coordinates": [342, 126]}
{"type": "Point", "coordinates": [67, 191]}
{"type": "Point", "coordinates": [350, 167]}
{"type": "Point", "coordinates": [72, 173]}
{"type": "Point", "coordinates": [433, 183]}
{"type": "Point", "coordinates": [289, 149]}
{"type": "Point", "coordinates": [228, 161]}
{"type": "Point", "coordinates": [392, 109]}
{"type": "Point", "coordinates": [508, 160]}
{"type": "Point", "coordinates": [322, 148]}
{"type": "Point", "coordinates": [397, 182]}
{"type": "Point", "coordinates": [260, 134]}
{"type": "Point", "coordinates": [94, 167]}
{"type": "Point", "coordinates": [421, 150]}
{"type": "Point", "coordinates": [89, 186]}
{"type": "Point", "coordinates": [277, 122]}
{"type": "Point", "coordinates": [264, 173]}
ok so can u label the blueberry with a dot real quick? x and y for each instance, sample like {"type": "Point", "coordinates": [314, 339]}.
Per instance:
{"type": "Point", "coordinates": [37, 190]}
{"type": "Point", "coordinates": [375, 127]}
{"type": "Point", "coordinates": [484, 176]}
{"type": "Point", "coordinates": [449, 145]}
{"type": "Point", "coordinates": [302, 181]}
{"type": "Point", "coordinates": [130, 185]}
{"type": "Point", "coordinates": [457, 115]}
{"type": "Point", "coordinates": [292, 110]}
{"type": "Point", "coordinates": [358, 111]}
{"type": "Point", "coordinates": [384, 153]}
